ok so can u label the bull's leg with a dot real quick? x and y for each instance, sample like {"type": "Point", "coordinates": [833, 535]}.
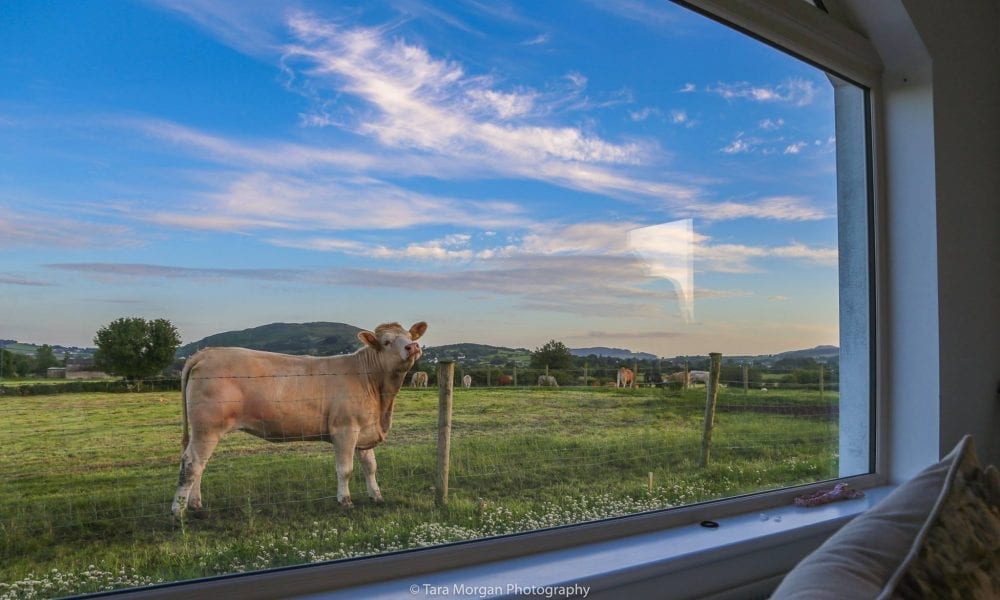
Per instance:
{"type": "Point", "coordinates": [368, 464]}
{"type": "Point", "coordinates": [193, 460]}
{"type": "Point", "coordinates": [344, 443]}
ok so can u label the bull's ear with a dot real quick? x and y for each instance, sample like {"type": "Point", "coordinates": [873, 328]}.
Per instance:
{"type": "Point", "coordinates": [417, 330]}
{"type": "Point", "coordinates": [369, 339]}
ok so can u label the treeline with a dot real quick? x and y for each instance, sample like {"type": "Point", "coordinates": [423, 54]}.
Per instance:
{"type": "Point", "coordinates": [14, 364]}
{"type": "Point", "coordinates": [73, 387]}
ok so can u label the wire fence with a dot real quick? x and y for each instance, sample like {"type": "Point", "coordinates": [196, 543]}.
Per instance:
{"type": "Point", "coordinates": [102, 462]}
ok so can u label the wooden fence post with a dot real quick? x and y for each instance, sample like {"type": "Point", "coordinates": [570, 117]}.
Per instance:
{"type": "Point", "coordinates": [515, 375]}
{"type": "Point", "coordinates": [746, 379]}
{"type": "Point", "coordinates": [712, 393]}
{"type": "Point", "coordinates": [687, 375]}
{"type": "Point", "coordinates": [820, 381]}
{"type": "Point", "coordinates": [446, 389]}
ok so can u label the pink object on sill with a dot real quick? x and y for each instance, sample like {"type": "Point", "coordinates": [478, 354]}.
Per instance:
{"type": "Point", "coordinates": [841, 491]}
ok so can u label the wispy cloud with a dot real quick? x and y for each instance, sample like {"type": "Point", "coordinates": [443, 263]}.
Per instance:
{"type": "Point", "coordinates": [797, 92]}
{"type": "Point", "coordinates": [775, 208]}
{"type": "Point", "coordinates": [262, 201]}
{"type": "Point", "coordinates": [422, 102]}
{"type": "Point", "coordinates": [138, 270]}
{"type": "Point", "coordinates": [25, 228]}
{"type": "Point", "coordinates": [688, 88]}
{"type": "Point", "coordinates": [538, 40]}
{"type": "Point", "coordinates": [737, 258]}
{"type": "Point", "coordinates": [771, 124]}
{"type": "Point", "coordinates": [14, 280]}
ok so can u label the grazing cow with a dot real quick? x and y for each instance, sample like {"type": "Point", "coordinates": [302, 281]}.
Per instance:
{"type": "Point", "coordinates": [346, 400]}
{"type": "Point", "coordinates": [626, 378]}
{"type": "Point", "coordinates": [547, 381]}
{"type": "Point", "coordinates": [699, 377]}
{"type": "Point", "coordinates": [681, 377]}
{"type": "Point", "coordinates": [467, 381]}
{"type": "Point", "coordinates": [418, 379]}
{"type": "Point", "coordinates": [505, 380]}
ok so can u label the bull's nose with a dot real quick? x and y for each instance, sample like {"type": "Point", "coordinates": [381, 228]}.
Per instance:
{"type": "Point", "coordinates": [413, 348]}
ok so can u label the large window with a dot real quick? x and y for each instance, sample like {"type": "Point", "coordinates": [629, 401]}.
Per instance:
{"type": "Point", "coordinates": [641, 241]}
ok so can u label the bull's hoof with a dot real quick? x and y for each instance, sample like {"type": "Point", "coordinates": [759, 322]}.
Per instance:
{"type": "Point", "coordinates": [378, 499]}
{"type": "Point", "coordinates": [346, 504]}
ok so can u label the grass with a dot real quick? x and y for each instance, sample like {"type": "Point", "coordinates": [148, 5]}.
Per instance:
{"type": "Point", "coordinates": [86, 480]}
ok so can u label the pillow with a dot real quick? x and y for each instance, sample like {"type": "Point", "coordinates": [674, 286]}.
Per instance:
{"type": "Point", "coordinates": [935, 536]}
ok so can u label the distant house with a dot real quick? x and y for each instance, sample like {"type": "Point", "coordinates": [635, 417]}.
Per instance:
{"type": "Point", "coordinates": [56, 372]}
{"type": "Point", "coordinates": [83, 368]}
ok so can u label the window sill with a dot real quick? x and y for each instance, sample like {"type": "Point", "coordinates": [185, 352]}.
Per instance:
{"type": "Point", "coordinates": [746, 553]}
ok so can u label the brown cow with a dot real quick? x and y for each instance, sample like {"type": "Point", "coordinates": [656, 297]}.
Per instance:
{"type": "Point", "coordinates": [505, 380]}
{"type": "Point", "coordinates": [626, 378]}
{"type": "Point", "coordinates": [346, 400]}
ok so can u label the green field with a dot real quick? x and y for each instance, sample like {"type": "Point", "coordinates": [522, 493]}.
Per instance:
{"type": "Point", "coordinates": [86, 480]}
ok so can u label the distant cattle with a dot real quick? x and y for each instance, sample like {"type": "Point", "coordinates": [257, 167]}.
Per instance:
{"type": "Point", "coordinates": [547, 381]}
{"type": "Point", "coordinates": [626, 377]}
{"type": "Point", "coordinates": [346, 400]}
{"type": "Point", "coordinates": [505, 380]}
{"type": "Point", "coordinates": [681, 377]}
{"type": "Point", "coordinates": [418, 379]}
{"type": "Point", "coordinates": [467, 381]}
{"type": "Point", "coordinates": [699, 377]}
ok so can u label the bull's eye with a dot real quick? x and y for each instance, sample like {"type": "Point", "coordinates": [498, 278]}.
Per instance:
{"type": "Point", "coordinates": [387, 342]}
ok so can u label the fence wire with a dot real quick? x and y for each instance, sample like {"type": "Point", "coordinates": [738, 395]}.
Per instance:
{"type": "Point", "coordinates": [83, 466]}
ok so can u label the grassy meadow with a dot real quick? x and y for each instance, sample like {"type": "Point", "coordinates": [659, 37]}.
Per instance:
{"type": "Point", "coordinates": [86, 480]}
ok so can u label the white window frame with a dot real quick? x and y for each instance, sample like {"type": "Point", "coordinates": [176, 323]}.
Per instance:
{"type": "Point", "coordinates": [814, 36]}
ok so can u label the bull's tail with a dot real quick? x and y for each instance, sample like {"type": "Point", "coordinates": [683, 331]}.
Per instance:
{"type": "Point", "coordinates": [184, 405]}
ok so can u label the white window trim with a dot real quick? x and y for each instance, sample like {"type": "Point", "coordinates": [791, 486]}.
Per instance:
{"type": "Point", "coordinates": [815, 37]}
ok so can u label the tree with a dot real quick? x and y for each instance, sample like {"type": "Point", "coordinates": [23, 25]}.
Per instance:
{"type": "Point", "coordinates": [45, 358]}
{"type": "Point", "coordinates": [554, 355]}
{"type": "Point", "coordinates": [134, 348]}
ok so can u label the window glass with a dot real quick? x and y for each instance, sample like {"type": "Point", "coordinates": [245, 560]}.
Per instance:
{"type": "Point", "coordinates": [634, 241]}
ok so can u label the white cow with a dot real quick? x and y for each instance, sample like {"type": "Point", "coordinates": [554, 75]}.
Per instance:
{"type": "Point", "coordinates": [547, 381]}
{"type": "Point", "coordinates": [698, 376]}
{"type": "Point", "coordinates": [467, 381]}
{"type": "Point", "coordinates": [346, 400]}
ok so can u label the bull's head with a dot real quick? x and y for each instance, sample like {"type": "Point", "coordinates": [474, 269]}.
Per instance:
{"type": "Point", "coordinates": [398, 348]}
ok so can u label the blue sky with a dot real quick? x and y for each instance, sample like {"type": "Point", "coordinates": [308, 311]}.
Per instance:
{"type": "Point", "coordinates": [625, 174]}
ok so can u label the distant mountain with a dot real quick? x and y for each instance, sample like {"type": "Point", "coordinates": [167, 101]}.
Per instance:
{"type": "Point", "coordinates": [318, 339]}
{"type": "Point", "coordinates": [612, 353]}
{"type": "Point", "coordinates": [816, 352]}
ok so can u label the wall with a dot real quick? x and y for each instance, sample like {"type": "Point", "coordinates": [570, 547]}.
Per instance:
{"type": "Point", "coordinates": [942, 223]}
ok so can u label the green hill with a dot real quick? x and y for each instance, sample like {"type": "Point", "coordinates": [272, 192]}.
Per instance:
{"type": "Point", "coordinates": [477, 354]}
{"type": "Point", "coordinates": [317, 339]}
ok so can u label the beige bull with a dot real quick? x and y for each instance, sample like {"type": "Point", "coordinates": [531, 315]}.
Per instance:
{"type": "Point", "coordinates": [346, 400]}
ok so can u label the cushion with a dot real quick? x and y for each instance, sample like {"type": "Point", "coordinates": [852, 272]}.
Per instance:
{"type": "Point", "coordinates": [935, 536]}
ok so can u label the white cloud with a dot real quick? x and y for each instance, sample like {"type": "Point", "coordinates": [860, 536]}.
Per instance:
{"type": "Point", "coordinates": [678, 117]}
{"type": "Point", "coordinates": [501, 104]}
{"type": "Point", "coordinates": [687, 88]}
{"type": "Point", "coordinates": [795, 148]}
{"type": "Point", "coordinates": [798, 92]}
{"type": "Point", "coordinates": [771, 124]}
{"type": "Point", "coordinates": [739, 145]}
{"type": "Point", "coordinates": [643, 114]}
